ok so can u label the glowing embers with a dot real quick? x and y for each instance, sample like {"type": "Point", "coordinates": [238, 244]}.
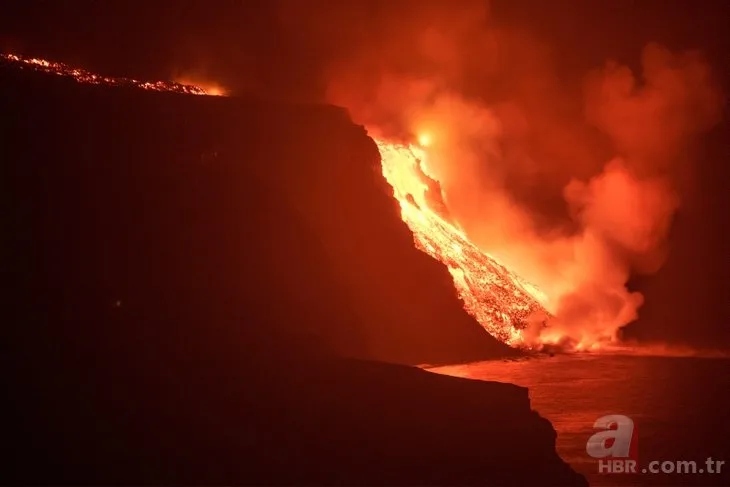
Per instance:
{"type": "Point", "coordinates": [83, 76]}
{"type": "Point", "coordinates": [499, 300]}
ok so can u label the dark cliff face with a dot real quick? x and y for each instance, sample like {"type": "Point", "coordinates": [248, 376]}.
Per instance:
{"type": "Point", "coordinates": [177, 269]}
{"type": "Point", "coordinates": [137, 171]}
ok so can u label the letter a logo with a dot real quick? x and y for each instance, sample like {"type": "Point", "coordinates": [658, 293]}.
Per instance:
{"type": "Point", "coordinates": [615, 440]}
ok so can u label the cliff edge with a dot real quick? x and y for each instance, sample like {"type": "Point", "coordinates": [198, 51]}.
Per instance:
{"type": "Point", "coordinates": [185, 275]}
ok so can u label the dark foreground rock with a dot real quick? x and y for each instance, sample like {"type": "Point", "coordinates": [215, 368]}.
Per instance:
{"type": "Point", "coordinates": [182, 273]}
{"type": "Point", "coordinates": [292, 421]}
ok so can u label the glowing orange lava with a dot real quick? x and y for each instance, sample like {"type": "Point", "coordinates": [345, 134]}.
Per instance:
{"type": "Point", "coordinates": [83, 76]}
{"type": "Point", "coordinates": [207, 87]}
{"type": "Point", "coordinates": [503, 303]}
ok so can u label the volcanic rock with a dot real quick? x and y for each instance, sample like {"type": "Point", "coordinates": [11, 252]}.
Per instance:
{"type": "Point", "coordinates": [185, 275]}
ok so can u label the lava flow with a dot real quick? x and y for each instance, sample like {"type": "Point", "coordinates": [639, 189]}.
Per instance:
{"type": "Point", "coordinates": [83, 76]}
{"type": "Point", "coordinates": [503, 303]}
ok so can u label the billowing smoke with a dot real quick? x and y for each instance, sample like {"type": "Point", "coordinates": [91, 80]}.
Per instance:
{"type": "Point", "coordinates": [573, 186]}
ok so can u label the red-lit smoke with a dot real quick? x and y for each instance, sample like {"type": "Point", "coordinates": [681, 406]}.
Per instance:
{"type": "Point", "coordinates": [571, 186]}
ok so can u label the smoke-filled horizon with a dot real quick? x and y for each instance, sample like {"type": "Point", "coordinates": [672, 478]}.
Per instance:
{"type": "Point", "coordinates": [573, 186]}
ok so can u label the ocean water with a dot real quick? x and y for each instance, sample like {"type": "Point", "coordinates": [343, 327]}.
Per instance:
{"type": "Point", "coordinates": [680, 407]}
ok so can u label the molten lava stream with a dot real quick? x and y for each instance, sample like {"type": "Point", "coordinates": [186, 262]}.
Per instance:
{"type": "Point", "coordinates": [498, 299]}
{"type": "Point", "coordinates": [83, 76]}
{"type": "Point", "coordinates": [503, 303]}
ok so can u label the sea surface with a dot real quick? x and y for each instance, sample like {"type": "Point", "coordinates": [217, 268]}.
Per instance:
{"type": "Point", "coordinates": [680, 407]}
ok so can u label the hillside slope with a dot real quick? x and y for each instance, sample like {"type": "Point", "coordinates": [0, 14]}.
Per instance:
{"type": "Point", "coordinates": [175, 285]}
{"type": "Point", "coordinates": [138, 153]}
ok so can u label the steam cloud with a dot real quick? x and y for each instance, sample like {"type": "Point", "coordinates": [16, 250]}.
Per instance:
{"type": "Point", "coordinates": [573, 190]}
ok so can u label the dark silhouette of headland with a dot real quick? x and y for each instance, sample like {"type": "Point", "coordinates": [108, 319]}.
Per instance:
{"type": "Point", "coordinates": [209, 290]}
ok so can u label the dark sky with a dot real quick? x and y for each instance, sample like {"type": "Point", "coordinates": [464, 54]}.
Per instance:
{"type": "Point", "coordinates": [250, 46]}
{"type": "Point", "coordinates": [245, 40]}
